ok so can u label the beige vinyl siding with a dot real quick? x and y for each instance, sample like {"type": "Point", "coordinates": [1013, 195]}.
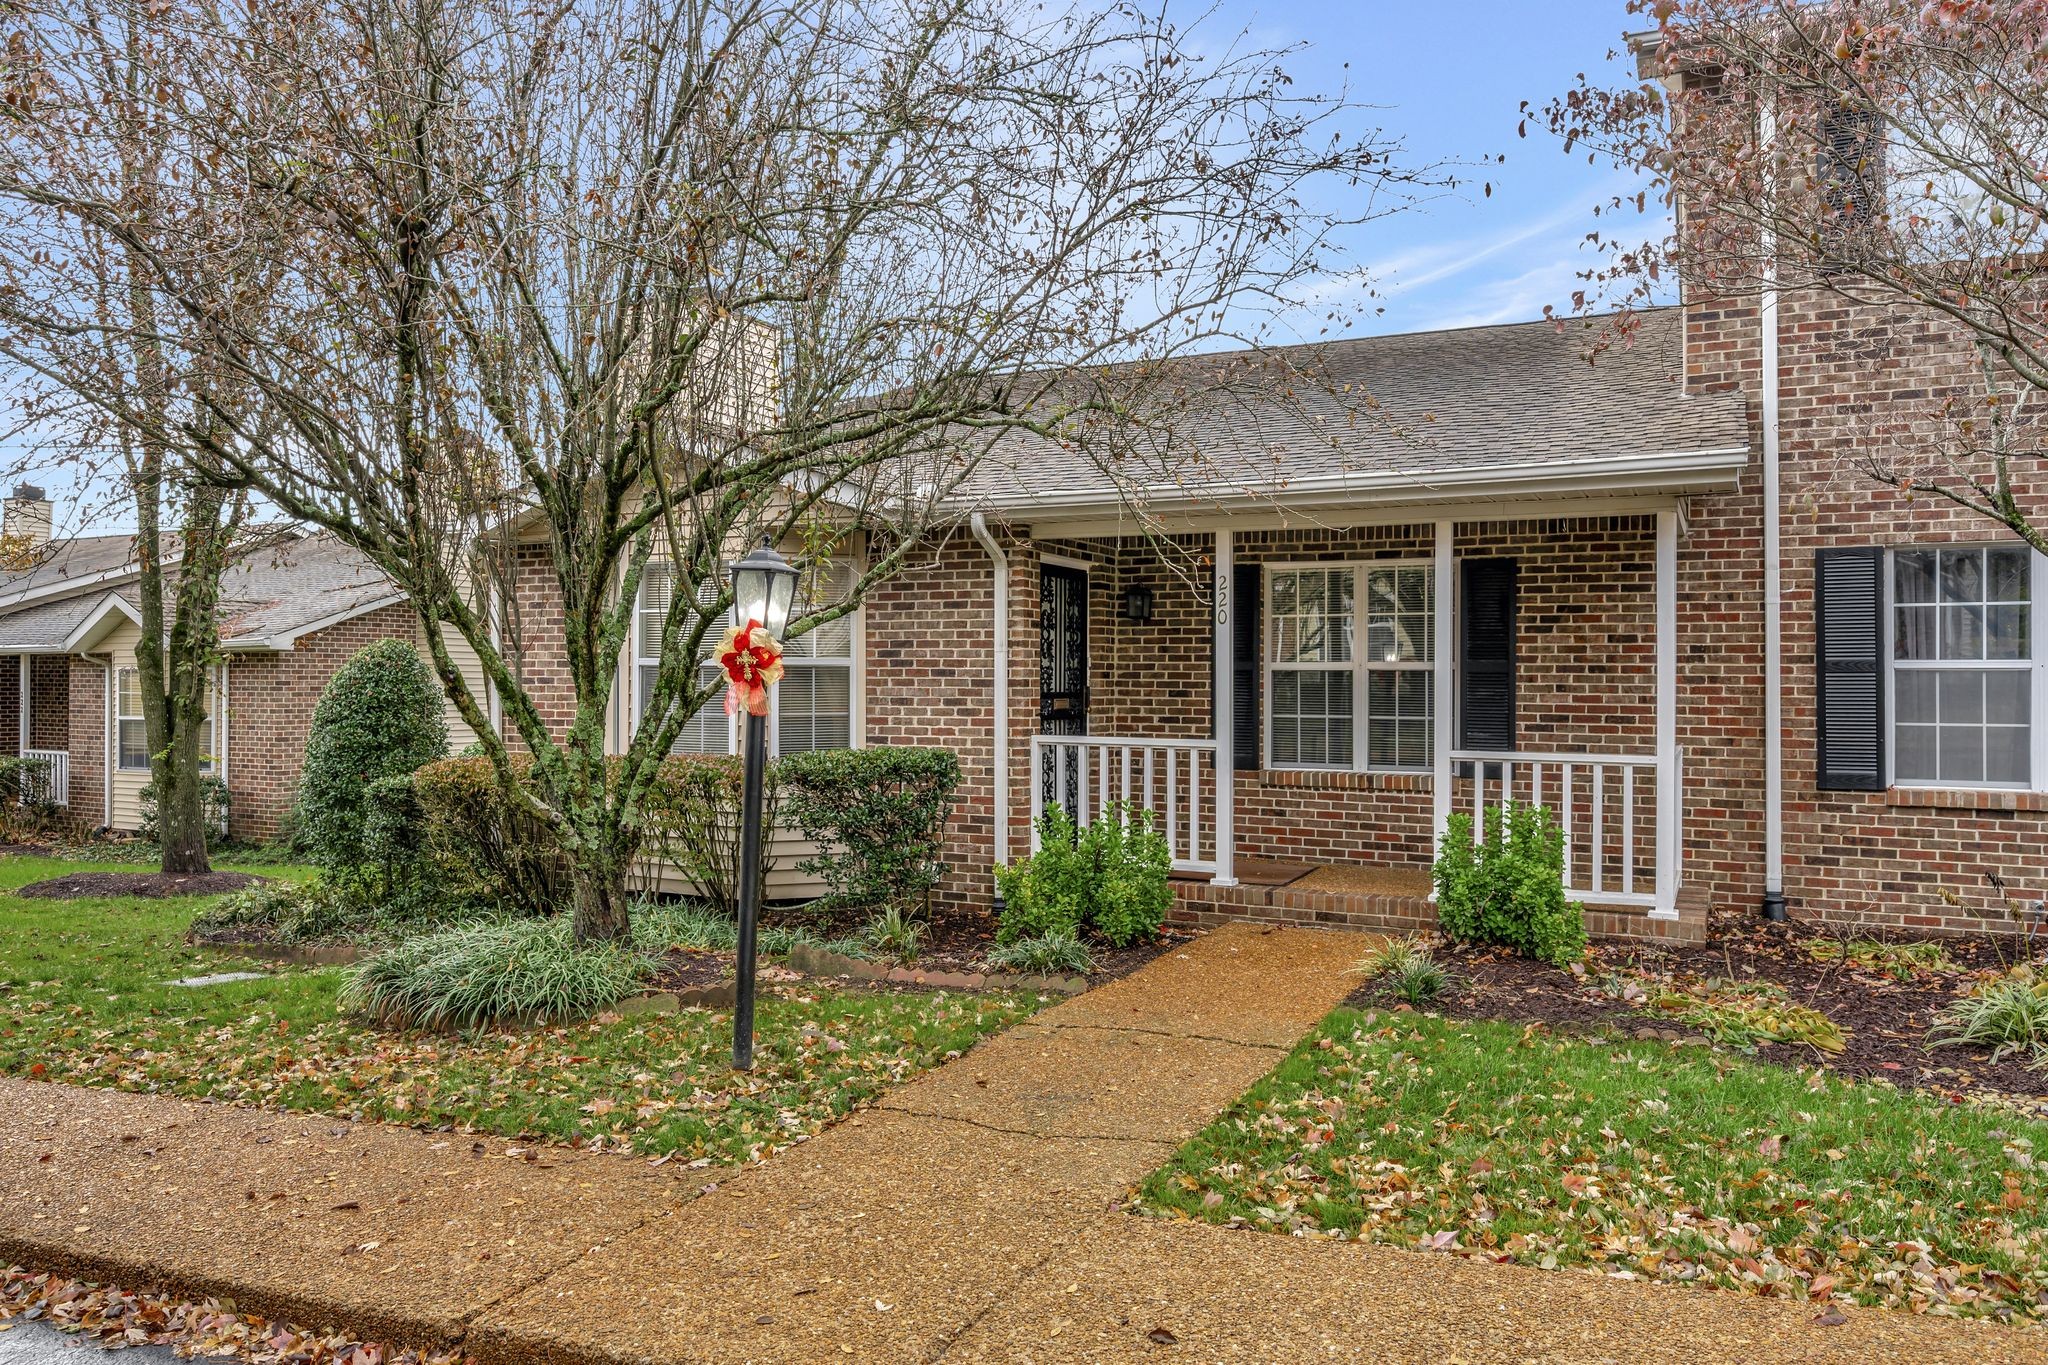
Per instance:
{"type": "Point", "coordinates": [126, 811]}
{"type": "Point", "coordinates": [465, 659]}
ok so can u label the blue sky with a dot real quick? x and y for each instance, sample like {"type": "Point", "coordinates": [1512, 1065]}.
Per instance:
{"type": "Point", "coordinates": [1450, 79]}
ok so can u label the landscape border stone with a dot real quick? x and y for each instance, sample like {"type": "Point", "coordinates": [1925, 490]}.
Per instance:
{"type": "Point", "coordinates": [812, 960]}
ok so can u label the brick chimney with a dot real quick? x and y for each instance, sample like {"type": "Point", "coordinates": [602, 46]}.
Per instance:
{"type": "Point", "coordinates": [26, 516]}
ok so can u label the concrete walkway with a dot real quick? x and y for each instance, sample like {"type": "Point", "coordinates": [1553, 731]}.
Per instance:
{"type": "Point", "coordinates": [968, 1218]}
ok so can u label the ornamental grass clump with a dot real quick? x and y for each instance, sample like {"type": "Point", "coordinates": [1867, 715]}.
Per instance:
{"type": "Point", "coordinates": [1405, 969]}
{"type": "Point", "coordinates": [1056, 952]}
{"type": "Point", "coordinates": [1506, 886]}
{"type": "Point", "coordinates": [2008, 1014]}
{"type": "Point", "coordinates": [523, 971]}
{"type": "Point", "coordinates": [1744, 1013]}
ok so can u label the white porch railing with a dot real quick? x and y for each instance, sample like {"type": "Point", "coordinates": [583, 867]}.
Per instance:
{"type": "Point", "coordinates": [53, 782]}
{"type": "Point", "coordinates": [1619, 814]}
{"type": "Point", "coordinates": [1175, 779]}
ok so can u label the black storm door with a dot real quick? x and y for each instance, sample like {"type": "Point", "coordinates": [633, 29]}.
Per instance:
{"type": "Point", "coordinates": [1062, 677]}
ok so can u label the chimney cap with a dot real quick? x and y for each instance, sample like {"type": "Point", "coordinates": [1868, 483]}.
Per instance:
{"type": "Point", "coordinates": [28, 492]}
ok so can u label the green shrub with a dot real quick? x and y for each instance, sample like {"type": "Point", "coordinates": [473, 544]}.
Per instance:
{"type": "Point", "coordinates": [894, 934]}
{"type": "Point", "coordinates": [1405, 968]}
{"type": "Point", "coordinates": [1507, 887]}
{"type": "Point", "coordinates": [1057, 952]}
{"type": "Point", "coordinates": [691, 817]}
{"type": "Point", "coordinates": [1111, 877]}
{"type": "Point", "coordinates": [284, 912]}
{"type": "Point", "coordinates": [213, 806]}
{"type": "Point", "coordinates": [473, 830]}
{"type": "Point", "coordinates": [509, 971]}
{"type": "Point", "coordinates": [2008, 1014]}
{"type": "Point", "coordinates": [878, 816]}
{"type": "Point", "coordinates": [25, 804]}
{"type": "Point", "coordinates": [380, 716]}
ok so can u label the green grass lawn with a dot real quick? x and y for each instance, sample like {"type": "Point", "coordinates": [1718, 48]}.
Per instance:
{"type": "Point", "coordinates": [88, 1000]}
{"type": "Point", "coordinates": [1491, 1139]}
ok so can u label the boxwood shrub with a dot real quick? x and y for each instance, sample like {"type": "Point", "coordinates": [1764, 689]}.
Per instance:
{"type": "Point", "coordinates": [379, 717]}
{"type": "Point", "coordinates": [1507, 885]}
{"type": "Point", "coordinates": [1111, 877]}
{"type": "Point", "coordinates": [878, 816]}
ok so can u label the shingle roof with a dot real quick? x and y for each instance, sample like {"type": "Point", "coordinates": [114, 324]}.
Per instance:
{"type": "Point", "coordinates": [71, 561]}
{"type": "Point", "coordinates": [42, 628]}
{"type": "Point", "coordinates": [280, 590]}
{"type": "Point", "coordinates": [1411, 405]}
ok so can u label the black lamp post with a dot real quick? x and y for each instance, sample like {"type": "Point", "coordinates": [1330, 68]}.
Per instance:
{"type": "Point", "coordinates": [763, 587]}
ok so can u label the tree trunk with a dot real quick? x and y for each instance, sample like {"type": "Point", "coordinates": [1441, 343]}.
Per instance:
{"type": "Point", "coordinates": [603, 903]}
{"type": "Point", "coordinates": [180, 811]}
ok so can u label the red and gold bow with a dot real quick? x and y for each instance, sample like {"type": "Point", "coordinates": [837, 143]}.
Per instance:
{"type": "Point", "coordinates": [752, 660]}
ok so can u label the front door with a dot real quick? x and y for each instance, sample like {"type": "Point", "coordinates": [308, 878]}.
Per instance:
{"type": "Point", "coordinates": [1062, 674]}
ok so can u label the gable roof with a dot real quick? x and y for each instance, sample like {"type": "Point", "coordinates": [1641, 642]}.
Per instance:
{"type": "Point", "coordinates": [1429, 412]}
{"type": "Point", "coordinates": [67, 566]}
{"type": "Point", "coordinates": [275, 594]}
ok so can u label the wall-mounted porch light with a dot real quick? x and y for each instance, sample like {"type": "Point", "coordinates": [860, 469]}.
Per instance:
{"type": "Point", "coordinates": [1137, 604]}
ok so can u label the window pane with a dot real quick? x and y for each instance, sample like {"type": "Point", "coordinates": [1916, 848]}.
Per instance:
{"type": "Point", "coordinates": [2006, 757]}
{"type": "Point", "coordinates": [814, 708]}
{"type": "Point", "coordinates": [2005, 697]}
{"type": "Point", "coordinates": [1399, 623]}
{"type": "Point", "coordinates": [707, 732]}
{"type": "Point", "coordinates": [1913, 691]}
{"type": "Point", "coordinates": [1962, 575]}
{"type": "Point", "coordinates": [827, 585]}
{"type": "Point", "coordinates": [2009, 575]}
{"type": "Point", "coordinates": [134, 744]}
{"type": "Point", "coordinates": [1962, 632]}
{"type": "Point", "coordinates": [2005, 632]}
{"type": "Point", "coordinates": [1962, 753]}
{"type": "Point", "coordinates": [129, 682]}
{"type": "Point", "coordinates": [1915, 759]}
{"type": "Point", "coordinates": [1962, 698]}
{"type": "Point", "coordinates": [1312, 718]}
{"type": "Point", "coordinates": [1913, 576]}
{"type": "Point", "coordinates": [1913, 633]}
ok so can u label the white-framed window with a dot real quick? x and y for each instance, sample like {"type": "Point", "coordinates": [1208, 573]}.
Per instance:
{"type": "Point", "coordinates": [1964, 680]}
{"type": "Point", "coordinates": [1350, 653]}
{"type": "Point", "coordinates": [131, 731]}
{"type": "Point", "coordinates": [811, 708]}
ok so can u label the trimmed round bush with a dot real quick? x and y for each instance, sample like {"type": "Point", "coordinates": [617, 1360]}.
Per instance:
{"type": "Point", "coordinates": [380, 717]}
{"type": "Point", "coordinates": [502, 972]}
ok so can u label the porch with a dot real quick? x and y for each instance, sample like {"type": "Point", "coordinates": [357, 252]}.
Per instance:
{"type": "Point", "coordinates": [35, 696]}
{"type": "Point", "coordinates": [1361, 684]}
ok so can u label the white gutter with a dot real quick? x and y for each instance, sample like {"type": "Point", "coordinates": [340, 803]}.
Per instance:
{"type": "Point", "coordinates": [1774, 606]}
{"type": "Point", "coordinates": [1672, 471]}
{"type": "Point", "coordinates": [1001, 564]}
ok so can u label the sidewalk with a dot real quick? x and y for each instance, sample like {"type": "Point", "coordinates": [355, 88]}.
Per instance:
{"type": "Point", "coordinates": [968, 1218]}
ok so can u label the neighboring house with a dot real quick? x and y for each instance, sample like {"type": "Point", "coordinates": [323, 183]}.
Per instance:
{"type": "Point", "coordinates": [291, 612]}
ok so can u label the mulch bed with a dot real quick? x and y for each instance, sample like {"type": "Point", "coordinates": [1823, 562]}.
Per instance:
{"type": "Point", "coordinates": [28, 850]}
{"type": "Point", "coordinates": [157, 885]}
{"type": "Point", "coordinates": [683, 969]}
{"type": "Point", "coordinates": [1886, 1019]}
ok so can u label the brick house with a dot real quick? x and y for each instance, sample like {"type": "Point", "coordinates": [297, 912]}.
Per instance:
{"type": "Point", "coordinates": [1536, 576]}
{"type": "Point", "coordinates": [292, 612]}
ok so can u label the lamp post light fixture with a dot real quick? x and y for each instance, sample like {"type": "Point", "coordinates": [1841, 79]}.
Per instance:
{"type": "Point", "coordinates": [763, 589]}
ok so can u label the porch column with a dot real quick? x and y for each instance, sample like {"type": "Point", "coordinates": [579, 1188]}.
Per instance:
{"type": "Point", "coordinates": [1668, 833]}
{"type": "Point", "coordinates": [22, 661]}
{"type": "Point", "coordinates": [1226, 727]}
{"type": "Point", "coordinates": [1440, 785]}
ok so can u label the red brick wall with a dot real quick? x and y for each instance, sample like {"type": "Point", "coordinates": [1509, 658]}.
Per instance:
{"type": "Point", "coordinates": [87, 741]}
{"type": "Point", "coordinates": [533, 642]}
{"type": "Point", "coordinates": [1856, 382]}
{"type": "Point", "coordinates": [271, 698]}
{"type": "Point", "coordinates": [49, 712]}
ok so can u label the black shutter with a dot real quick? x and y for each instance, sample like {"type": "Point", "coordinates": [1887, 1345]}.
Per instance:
{"type": "Point", "coordinates": [1486, 655]}
{"type": "Point", "coordinates": [1247, 646]}
{"type": "Point", "coordinates": [1848, 600]}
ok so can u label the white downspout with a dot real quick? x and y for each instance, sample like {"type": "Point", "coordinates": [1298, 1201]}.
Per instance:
{"type": "Point", "coordinates": [1001, 737]}
{"type": "Point", "coordinates": [109, 737]}
{"type": "Point", "coordinates": [1774, 606]}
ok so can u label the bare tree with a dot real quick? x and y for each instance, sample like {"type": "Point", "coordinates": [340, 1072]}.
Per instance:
{"type": "Point", "coordinates": [95, 121]}
{"type": "Point", "coordinates": [575, 289]}
{"type": "Point", "coordinates": [1888, 152]}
